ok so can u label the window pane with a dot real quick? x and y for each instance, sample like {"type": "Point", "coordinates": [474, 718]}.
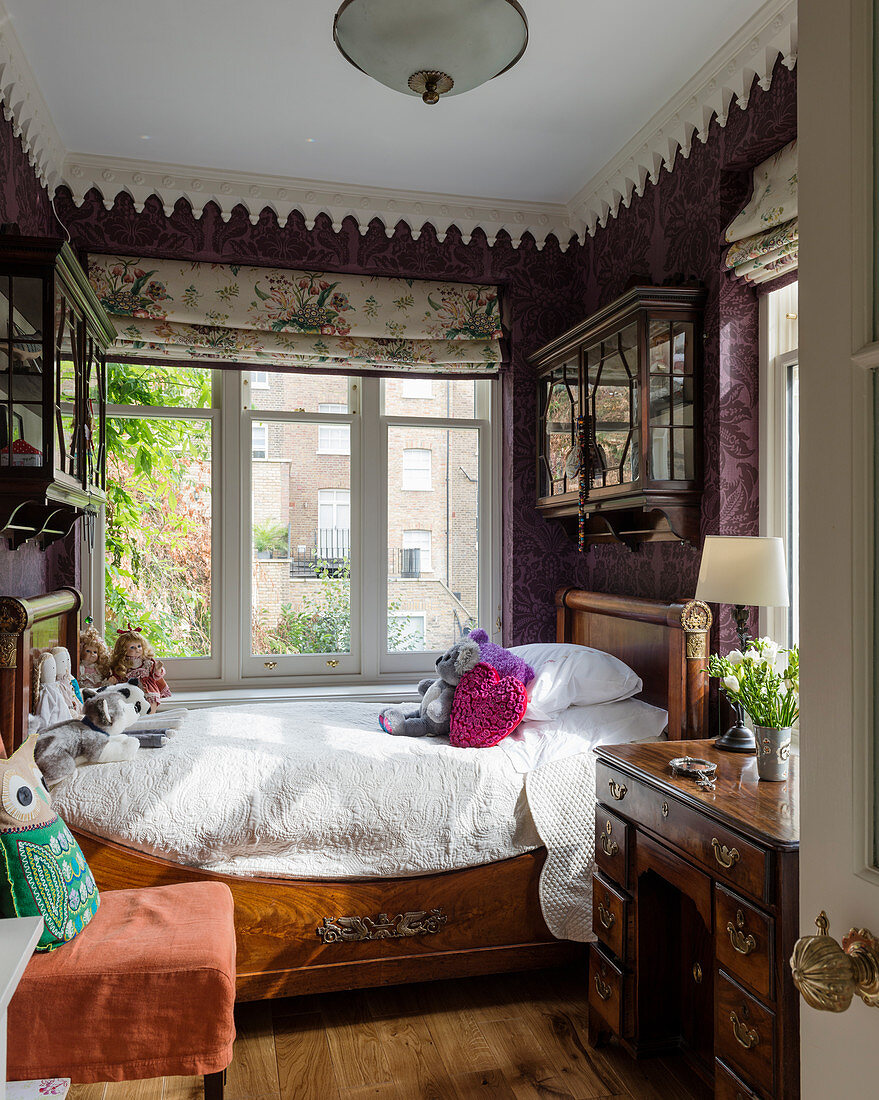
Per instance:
{"type": "Point", "coordinates": [284, 392]}
{"type": "Point", "coordinates": [301, 534]}
{"type": "Point", "coordinates": [446, 397]}
{"type": "Point", "coordinates": [177, 387]}
{"type": "Point", "coordinates": [432, 537]}
{"type": "Point", "coordinates": [158, 561]}
{"type": "Point", "coordinates": [333, 439]}
{"type": "Point", "coordinates": [416, 469]}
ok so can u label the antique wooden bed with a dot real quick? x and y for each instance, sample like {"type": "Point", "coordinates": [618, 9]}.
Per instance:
{"type": "Point", "coordinates": [289, 939]}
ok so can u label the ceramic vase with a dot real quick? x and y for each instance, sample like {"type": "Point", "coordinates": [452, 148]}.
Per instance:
{"type": "Point", "coordinates": [773, 752]}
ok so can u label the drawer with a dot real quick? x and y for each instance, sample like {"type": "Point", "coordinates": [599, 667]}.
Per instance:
{"type": "Point", "coordinates": [728, 1087]}
{"type": "Point", "coordinates": [611, 992]}
{"type": "Point", "coordinates": [612, 845]}
{"type": "Point", "coordinates": [612, 917]}
{"type": "Point", "coordinates": [744, 942]}
{"type": "Point", "coordinates": [745, 1035]}
{"type": "Point", "coordinates": [739, 862]}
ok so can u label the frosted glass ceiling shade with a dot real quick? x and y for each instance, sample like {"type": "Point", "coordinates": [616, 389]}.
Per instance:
{"type": "Point", "coordinates": [744, 570]}
{"type": "Point", "coordinates": [431, 47]}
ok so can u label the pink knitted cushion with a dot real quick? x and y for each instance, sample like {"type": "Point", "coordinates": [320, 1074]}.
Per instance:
{"type": "Point", "coordinates": [486, 708]}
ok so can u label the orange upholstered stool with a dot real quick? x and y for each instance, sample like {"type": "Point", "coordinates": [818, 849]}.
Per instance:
{"type": "Point", "coordinates": [146, 990]}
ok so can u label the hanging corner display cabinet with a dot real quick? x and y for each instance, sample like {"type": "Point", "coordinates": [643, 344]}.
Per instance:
{"type": "Point", "coordinates": [619, 419]}
{"type": "Point", "coordinates": [53, 335]}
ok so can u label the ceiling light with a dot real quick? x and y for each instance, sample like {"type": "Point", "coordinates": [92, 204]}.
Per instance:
{"type": "Point", "coordinates": [444, 47]}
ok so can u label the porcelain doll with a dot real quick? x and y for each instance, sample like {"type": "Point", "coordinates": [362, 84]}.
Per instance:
{"type": "Point", "coordinates": [94, 659]}
{"type": "Point", "coordinates": [133, 658]}
{"type": "Point", "coordinates": [51, 706]}
{"type": "Point", "coordinates": [64, 678]}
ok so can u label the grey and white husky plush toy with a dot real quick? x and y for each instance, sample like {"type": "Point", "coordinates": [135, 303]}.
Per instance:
{"type": "Point", "coordinates": [97, 738]}
{"type": "Point", "coordinates": [431, 717]}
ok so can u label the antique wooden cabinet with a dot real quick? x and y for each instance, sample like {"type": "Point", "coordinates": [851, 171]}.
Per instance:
{"type": "Point", "coordinates": [619, 421]}
{"type": "Point", "coordinates": [53, 335]}
{"type": "Point", "coordinates": [695, 910]}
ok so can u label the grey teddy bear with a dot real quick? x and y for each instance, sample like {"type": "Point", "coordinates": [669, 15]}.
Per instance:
{"type": "Point", "coordinates": [431, 718]}
{"type": "Point", "coordinates": [97, 738]}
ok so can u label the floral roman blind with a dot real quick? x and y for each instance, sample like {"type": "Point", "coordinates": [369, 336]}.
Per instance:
{"type": "Point", "coordinates": [764, 237]}
{"type": "Point", "coordinates": [270, 317]}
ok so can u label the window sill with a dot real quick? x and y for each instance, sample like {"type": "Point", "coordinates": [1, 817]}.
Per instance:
{"type": "Point", "coordinates": [239, 696]}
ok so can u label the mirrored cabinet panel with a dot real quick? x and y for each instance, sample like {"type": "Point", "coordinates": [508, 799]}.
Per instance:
{"type": "Point", "coordinates": [619, 441]}
{"type": "Point", "coordinates": [53, 335]}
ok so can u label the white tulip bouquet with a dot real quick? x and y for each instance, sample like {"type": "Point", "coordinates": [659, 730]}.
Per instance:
{"type": "Point", "coordinates": [764, 681]}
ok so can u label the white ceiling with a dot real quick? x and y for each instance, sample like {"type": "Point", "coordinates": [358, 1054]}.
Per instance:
{"type": "Point", "coordinates": [260, 87]}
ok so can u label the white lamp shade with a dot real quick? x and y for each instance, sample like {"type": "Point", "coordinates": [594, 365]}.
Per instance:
{"type": "Point", "coordinates": [469, 40]}
{"type": "Point", "coordinates": [740, 569]}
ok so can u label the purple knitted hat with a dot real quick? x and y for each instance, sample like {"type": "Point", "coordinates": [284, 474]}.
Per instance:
{"type": "Point", "coordinates": [506, 663]}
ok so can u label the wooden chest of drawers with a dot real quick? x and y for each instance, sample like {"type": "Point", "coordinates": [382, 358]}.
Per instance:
{"type": "Point", "coordinates": [695, 906]}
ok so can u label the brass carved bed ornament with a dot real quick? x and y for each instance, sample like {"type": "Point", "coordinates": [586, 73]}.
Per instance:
{"type": "Point", "coordinates": [829, 974]}
{"type": "Point", "coordinates": [356, 929]}
{"type": "Point", "coordinates": [696, 620]}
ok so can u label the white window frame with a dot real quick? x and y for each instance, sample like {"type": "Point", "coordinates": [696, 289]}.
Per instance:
{"type": "Point", "coordinates": [417, 472]}
{"type": "Point", "coordinates": [425, 562]}
{"type": "Point", "coordinates": [778, 356]}
{"type": "Point", "coordinates": [231, 665]}
{"type": "Point", "coordinates": [333, 439]}
{"type": "Point", "coordinates": [184, 670]}
{"type": "Point", "coordinates": [259, 379]}
{"type": "Point", "coordinates": [417, 389]}
{"type": "Point", "coordinates": [335, 504]}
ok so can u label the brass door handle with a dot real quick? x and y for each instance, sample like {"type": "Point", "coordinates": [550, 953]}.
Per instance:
{"type": "Point", "coordinates": [608, 844]}
{"type": "Point", "coordinates": [617, 790]}
{"type": "Point", "coordinates": [270, 664]}
{"type": "Point", "coordinates": [726, 857]}
{"type": "Point", "coordinates": [332, 664]}
{"type": "Point", "coordinates": [829, 974]}
{"type": "Point", "coordinates": [606, 917]}
{"type": "Point", "coordinates": [602, 989]}
{"type": "Point", "coordinates": [745, 1036]}
{"type": "Point", "coordinates": [740, 942]}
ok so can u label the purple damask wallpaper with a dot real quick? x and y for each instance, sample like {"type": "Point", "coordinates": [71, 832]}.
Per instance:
{"type": "Point", "coordinates": [674, 228]}
{"type": "Point", "coordinates": [28, 571]}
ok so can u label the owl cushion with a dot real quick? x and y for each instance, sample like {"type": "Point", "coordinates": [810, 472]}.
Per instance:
{"type": "Point", "coordinates": [46, 874]}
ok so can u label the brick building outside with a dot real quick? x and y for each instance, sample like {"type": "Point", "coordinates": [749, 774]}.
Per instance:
{"type": "Point", "coordinates": [301, 505]}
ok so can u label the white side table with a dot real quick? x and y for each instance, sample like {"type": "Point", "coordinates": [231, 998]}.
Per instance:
{"type": "Point", "coordinates": [18, 938]}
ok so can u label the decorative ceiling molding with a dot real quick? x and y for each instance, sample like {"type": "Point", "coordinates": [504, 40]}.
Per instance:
{"type": "Point", "coordinates": [199, 186]}
{"type": "Point", "coordinates": [25, 108]}
{"type": "Point", "coordinates": [728, 77]}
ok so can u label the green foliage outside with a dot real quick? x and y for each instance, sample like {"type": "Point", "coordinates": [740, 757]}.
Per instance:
{"type": "Point", "coordinates": [158, 560]}
{"type": "Point", "coordinates": [323, 623]}
{"type": "Point", "coordinates": [270, 536]}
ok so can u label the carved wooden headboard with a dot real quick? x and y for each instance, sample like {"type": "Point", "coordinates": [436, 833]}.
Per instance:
{"type": "Point", "coordinates": [665, 643]}
{"type": "Point", "coordinates": [28, 626]}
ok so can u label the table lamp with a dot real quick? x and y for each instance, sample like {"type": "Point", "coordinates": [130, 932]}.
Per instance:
{"type": "Point", "coordinates": [745, 571]}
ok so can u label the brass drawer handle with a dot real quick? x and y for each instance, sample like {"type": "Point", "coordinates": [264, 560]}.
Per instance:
{"type": "Point", "coordinates": [332, 664]}
{"type": "Point", "coordinates": [608, 844]}
{"type": "Point", "coordinates": [270, 664]}
{"type": "Point", "coordinates": [606, 917]}
{"type": "Point", "coordinates": [602, 989]}
{"type": "Point", "coordinates": [618, 790]}
{"type": "Point", "coordinates": [740, 942]}
{"type": "Point", "coordinates": [745, 1036]}
{"type": "Point", "coordinates": [726, 857]}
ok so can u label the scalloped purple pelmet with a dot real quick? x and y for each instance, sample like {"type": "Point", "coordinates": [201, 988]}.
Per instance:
{"type": "Point", "coordinates": [675, 227]}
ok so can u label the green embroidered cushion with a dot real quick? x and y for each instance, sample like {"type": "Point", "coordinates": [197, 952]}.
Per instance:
{"type": "Point", "coordinates": [45, 872]}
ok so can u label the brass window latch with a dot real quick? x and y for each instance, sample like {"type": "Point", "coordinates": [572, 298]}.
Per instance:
{"type": "Point", "coordinates": [829, 974]}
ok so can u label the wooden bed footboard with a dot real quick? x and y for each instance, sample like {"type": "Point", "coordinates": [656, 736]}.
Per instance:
{"type": "Point", "coordinates": [300, 936]}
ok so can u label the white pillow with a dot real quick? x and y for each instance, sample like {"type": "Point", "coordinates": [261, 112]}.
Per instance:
{"type": "Point", "coordinates": [579, 729]}
{"type": "Point", "coordinates": [568, 675]}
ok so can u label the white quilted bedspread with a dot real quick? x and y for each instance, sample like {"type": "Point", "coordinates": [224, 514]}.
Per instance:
{"type": "Point", "coordinates": [310, 790]}
{"type": "Point", "coordinates": [313, 790]}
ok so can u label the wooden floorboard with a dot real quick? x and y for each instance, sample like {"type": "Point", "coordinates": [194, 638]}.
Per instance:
{"type": "Point", "coordinates": [509, 1037]}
